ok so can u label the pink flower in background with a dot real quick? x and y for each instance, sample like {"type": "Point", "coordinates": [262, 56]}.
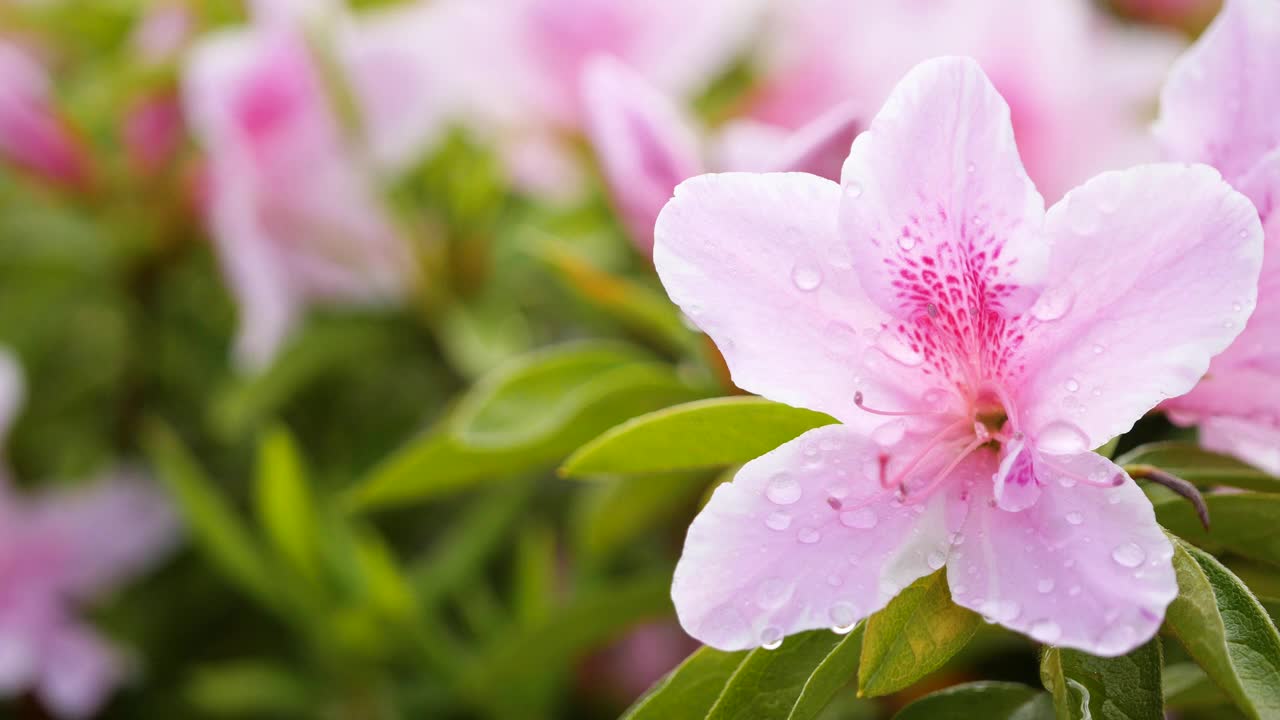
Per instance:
{"type": "Point", "coordinates": [1221, 106]}
{"type": "Point", "coordinates": [32, 133]}
{"type": "Point", "coordinates": [975, 347]}
{"type": "Point", "coordinates": [628, 667]}
{"type": "Point", "coordinates": [646, 145]}
{"type": "Point", "coordinates": [517, 65]}
{"type": "Point", "coordinates": [58, 552]}
{"type": "Point", "coordinates": [295, 199]}
{"type": "Point", "coordinates": [1080, 85]}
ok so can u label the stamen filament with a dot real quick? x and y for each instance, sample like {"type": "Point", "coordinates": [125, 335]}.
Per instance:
{"type": "Point", "coordinates": [857, 400]}
{"type": "Point", "coordinates": [920, 456]}
{"type": "Point", "coordinates": [942, 475]}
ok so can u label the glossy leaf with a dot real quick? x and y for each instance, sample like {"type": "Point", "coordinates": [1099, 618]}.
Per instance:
{"type": "Point", "coordinates": [1187, 686]}
{"type": "Point", "coordinates": [792, 682]}
{"type": "Point", "coordinates": [613, 512]}
{"type": "Point", "coordinates": [285, 506]}
{"type": "Point", "coordinates": [1085, 686]}
{"type": "Point", "coordinates": [696, 435]}
{"type": "Point", "coordinates": [912, 636]}
{"type": "Point", "coordinates": [1224, 628]}
{"type": "Point", "coordinates": [985, 700]}
{"type": "Point", "coordinates": [1244, 523]}
{"type": "Point", "coordinates": [1200, 466]}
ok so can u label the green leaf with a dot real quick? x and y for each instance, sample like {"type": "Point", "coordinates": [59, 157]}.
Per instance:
{"type": "Point", "coordinates": [1186, 685]}
{"type": "Point", "coordinates": [985, 700]}
{"type": "Point", "coordinates": [1197, 465]}
{"type": "Point", "coordinates": [793, 682]}
{"type": "Point", "coordinates": [251, 688]}
{"type": "Point", "coordinates": [1244, 523]}
{"type": "Point", "coordinates": [525, 417]}
{"type": "Point", "coordinates": [912, 636]}
{"type": "Point", "coordinates": [696, 435]}
{"type": "Point", "coordinates": [1227, 632]}
{"type": "Point", "coordinates": [611, 513]}
{"type": "Point", "coordinates": [285, 507]}
{"type": "Point", "coordinates": [215, 527]}
{"type": "Point", "coordinates": [1086, 687]}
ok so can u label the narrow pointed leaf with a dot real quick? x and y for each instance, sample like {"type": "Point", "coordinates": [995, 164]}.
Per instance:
{"type": "Point", "coordinates": [1086, 687]}
{"type": "Point", "coordinates": [286, 509]}
{"type": "Point", "coordinates": [1202, 467]}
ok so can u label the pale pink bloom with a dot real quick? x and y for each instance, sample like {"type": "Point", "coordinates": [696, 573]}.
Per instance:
{"type": "Point", "coordinates": [1080, 85]}
{"type": "Point", "coordinates": [162, 32]}
{"type": "Point", "coordinates": [33, 135]}
{"type": "Point", "coordinates": [517, 65]}
{"type": "Point", "coordinates": [295, 204]}
{"type": "Point", "coordinates": [975, 347]}
{"type": "Point", "coordinates": [637, 660]}
{"type": "Point", "coordinates": [1221, 106]}
{"type": "Point", "coordinates": [647, 145]}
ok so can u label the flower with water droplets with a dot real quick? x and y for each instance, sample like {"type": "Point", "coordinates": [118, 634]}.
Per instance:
{"type": "Point", "coordinates": [968, 434]}
{"type": "Point", "coordinates": [1221, 106]}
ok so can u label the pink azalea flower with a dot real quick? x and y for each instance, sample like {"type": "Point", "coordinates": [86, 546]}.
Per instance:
{"type": "Point", "coordinates": [57, 553]}
{"type": "Point", "coordinates": [647, 145]}
{"type": "Point", "coordinates": [517, 65]}
{"type": "Point", "coordinates": [1080, 85]}
{"type": "Point", "coordinates": [974, 348]}
{"type": "Point", "coordinates": [295, 199]}
{"type": "Point", "coordinates": [32, 133]}
{"type": "Point", "coordinates": [1221, 106]}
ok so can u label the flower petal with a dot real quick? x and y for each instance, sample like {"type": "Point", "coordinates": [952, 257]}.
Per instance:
{"type": "Point", "coordinates": [645, 144]}
{"type": "Point", "coordinates": [937, 205]}
{"type": "Point", "coordinates": [1222, 97]}
{"type": "Point", "coordinates": [755, 261]}
{"type": "Point", "coordinates": [1016, 487]}
{"type": "Point", "coordinates": [804, 537]}
{"type": "Point", "coordinates": [1086, 567]}
{"type": "Point", "coordinates": [818, 148]}
{"type": "Point", "coordinates": [1154, 272]}
{"type": "Point", "coordinates": [1257, 443]}
{"type": "Point", "coordinates": [80, 671]}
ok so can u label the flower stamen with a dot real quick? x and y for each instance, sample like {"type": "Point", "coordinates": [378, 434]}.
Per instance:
{"type": "Point", "coordinates": [858, 400]}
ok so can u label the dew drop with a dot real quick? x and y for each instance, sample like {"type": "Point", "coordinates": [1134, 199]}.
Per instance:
{"type": "Point", "coordinates": [1062, 438]}
{"type": "Point", "coordinates": [972, 168]}
{"type": "Point", "coordinates": [853, 190]}
{"type": "Point", "coordinates": [890, 433]}
{"type": "Point", "coordinates": [783, 490]}
{"type": "Point", "coordinates": [959, 590]}
{"type": "Point", "coordinates": [906, 242]}
{"type": "Point", "coordinates": [806, 278]}
{"type": "Point", "coordinates": [1072, 385]}
{"type": "Point", "coordinates": [893, 346]}
{"type": "Point", "coordinates": [1045, 586]}
{"type": "Point", "coordinates": [1237, 307]}
{"type": "Point", "coordinates": [778, 521]}
{"type": "Point", "coordinates": [773, 593]}
{"type": "Point", "coordinates": [1075, 518]}
{"type": "Point", "coordinates": [843, 617]}
{"type": "Point", "coordinates": [1098, 349]}
{"type": "Point", "coordinates": [936, 560]}
{"type": "Point", "coordinates": [808, 535]}
{"type": "Point", "coordinates": [862, 518]}
{"type": "Point", "coordinates": [1046, 631]}
{"type": "Point", "coordinates": [771, 638]}
{"type": "Point", "coordinates": [1052, 305]}
{"type": "Point", "coordinates": [1128, 555]}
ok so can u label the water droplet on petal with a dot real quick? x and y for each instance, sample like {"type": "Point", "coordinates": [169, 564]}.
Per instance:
{"type": "Point", "coordinates": [1098, 349]}
{"type": "Point", "coordinates": [936, 560]}
{"type": "Point", "coordinates": [1045, 586]}
{"type": "Point", "coordinates": [771, 638]}
{"type": "Point", "coordinates": [906, 242]}
{"type": "Point", "coordinates": [1072, 385]}
{"type": "Point", "coordinates": [1075, 518]}
{"type": "Point", "coordinates": [853, 190]}
{"type": "Point", "coordinates": [783, 490]}
{"type": "Point", "coordinates": [1052, 305]}
{"type": "Point", "coordinates": [862, 518]}
{"type": "Point", "coordinates": [1128, 555]}
{"type": "Point", "coordinates": [972, 168]}
{"type": "Point", "coordinates": [890, 433]}
{"type": "Point", "coordinates": [778, 521]}
{"type": "Point", "coordinates": [1046, 631]}
{"type": "Point", "coordinates": [806, 278]}
{"type": "Point", "coordinates": [843, 617]}
{"type": "Point", "coordinates": [890, 344]}
{"type": "Point", "coordinates": [1061, 438]}
{"type": "Point", "coordinates": [808, 535]}
{"type": "Point", "coordinates": [773, 593]}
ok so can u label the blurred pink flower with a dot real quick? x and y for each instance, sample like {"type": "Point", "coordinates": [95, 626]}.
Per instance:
{"type": "Point", "coordinates": [59, 551]}
{"type": "Point", "coordinates": [646, 145]}
{"type": "Point", "coordinates": [162, 32]}
{"type": "Point", "coordinates": [517, 65]}
{"type": "Point", "coordinates": [637, 660]}
{"type": "Point", "coordinates": [32, 133]}
{"type": "Point", "coordinates": [1080, 85]}
{"type": "Point", "coordinates": [153, 131]}
{"type": "Point", "coordinates": [974, 346]}
{"type": "Point", "coordinates": [295, 202]}
{"type": "Point", "coordinates": [1221, 105]}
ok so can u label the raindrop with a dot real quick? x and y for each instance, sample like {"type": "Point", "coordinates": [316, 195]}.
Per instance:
{"type": "Point", "coordinates": [957, 538]}
{"type": "Point", "coordinates": [889, 433]}
{"type": "Point", "coordinates": [808, 535]}
{"type": "Point", "coordinates": [807, 278]}
{"type": "Point", "coordinates": [1072, 385]}
{"type": "Point", "coordinates": [783, 490]}
{"type": "Point", "coordinates": [778, 521]}
{"type": "Point", "coordinates": [1098, 349]}
{"type": "Point", "coordinates": [906, 242]}
{"type": "Point", "coordinates": [1046, 631]}
{"type": "Point", "coordinates": [1228, 324]}
{"type": "Point", "coordinates": [1052, 305]}
{"type": "Point", "coordinates": [843, 617]}
{"type": "Point", "coordinates": [936, 560]}
{"type": "Point", "coordinates": [853, 190]}
{"type": "Point", "coordinates": [773, 593]}
{"type": "Point", "coordinates": [893, 346]}
{"type": "Point", "coordinates": [1066, 481]}
{"type": "Point", "coordinates": [771, 638]}
{"type": "Point", "coordinates": [972, 168]}
{"type": "Point", "coordinates": [1237, 307]}
{"type": "Point", "coordinates": [1128, 555]}
{"type": "Point", "coordinates": [862, 518]}
{"type": "Point", "coordinates": [1045, 586]}
{"type": "Point", "coordinates": [1062, 438]}
{"type": "Point", "coordinates": [959, 590]}
{"type": "Point", "coordinates": [1075, 518]}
